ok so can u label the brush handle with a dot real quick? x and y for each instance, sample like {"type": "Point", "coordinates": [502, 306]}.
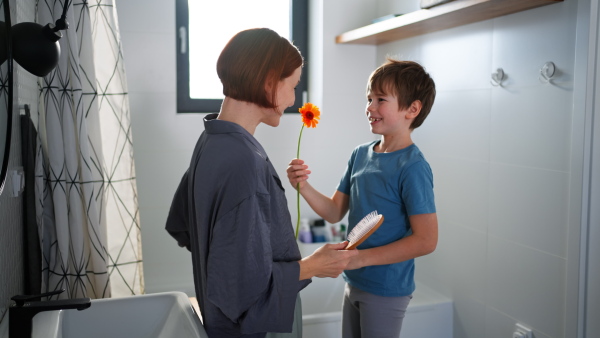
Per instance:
{"type": "Point", "coordinates": [353, 245]}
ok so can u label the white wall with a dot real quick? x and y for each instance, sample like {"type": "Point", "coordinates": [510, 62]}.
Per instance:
{"type": "Point", "coordinates": [505, 170]}
{"type": "Point", "coordinates": [502, 163]}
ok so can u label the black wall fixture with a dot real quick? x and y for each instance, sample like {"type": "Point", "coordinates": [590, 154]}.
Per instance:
{"type": "Point", "coordinates": [35, 47]}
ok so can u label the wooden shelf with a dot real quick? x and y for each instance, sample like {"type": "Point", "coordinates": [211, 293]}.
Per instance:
{"type": "Point", "coordinates": [448, 15]}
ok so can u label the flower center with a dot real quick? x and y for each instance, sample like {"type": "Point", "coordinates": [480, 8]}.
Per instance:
{"type": "Point", "coordinates": [310, 115]}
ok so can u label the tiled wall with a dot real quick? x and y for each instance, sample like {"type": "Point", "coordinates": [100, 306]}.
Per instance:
{"type": "Point", "coordinates": [502, 164]}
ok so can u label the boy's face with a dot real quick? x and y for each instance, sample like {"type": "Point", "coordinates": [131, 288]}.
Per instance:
{"type": "Point", "coordinates": [385, 116]}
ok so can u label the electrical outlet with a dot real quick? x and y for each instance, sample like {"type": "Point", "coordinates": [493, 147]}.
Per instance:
{"type": "Point", "coordinates": [522, 332]}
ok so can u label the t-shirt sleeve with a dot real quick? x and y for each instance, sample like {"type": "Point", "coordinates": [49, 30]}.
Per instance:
{"type": "Point", "coordinates": [344, 185]}
{"type": "Point", "coordinates": [416, 188]}
{"type": "Point", "coordinates": [243, 280]}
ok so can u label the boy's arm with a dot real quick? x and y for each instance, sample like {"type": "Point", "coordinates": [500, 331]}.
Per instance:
{"type": "Point", "coordinates": [421, 242]}
{"type": "Point", "coordinates": [332, 209]}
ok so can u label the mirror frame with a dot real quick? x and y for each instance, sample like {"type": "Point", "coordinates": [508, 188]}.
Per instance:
{"type": "Point", "coordinates": [9, 60]}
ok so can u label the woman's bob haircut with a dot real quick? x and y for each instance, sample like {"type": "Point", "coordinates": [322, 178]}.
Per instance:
{"type": "Point", "coordinates": [254, 58]}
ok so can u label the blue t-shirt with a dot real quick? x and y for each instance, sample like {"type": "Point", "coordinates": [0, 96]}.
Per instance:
{"type": "Point", "coordinates": [398, 185]}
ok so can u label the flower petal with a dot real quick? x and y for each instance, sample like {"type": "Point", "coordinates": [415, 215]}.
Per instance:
{"type": "Point", "coordinates": [310, 115]}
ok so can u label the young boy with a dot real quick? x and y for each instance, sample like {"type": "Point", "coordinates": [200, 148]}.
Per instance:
{"type": "Point", "coordinates": [391, 176]}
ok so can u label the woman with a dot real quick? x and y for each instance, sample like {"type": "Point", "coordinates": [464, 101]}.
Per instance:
{"type": "Point", "coordinates": [230, 209]}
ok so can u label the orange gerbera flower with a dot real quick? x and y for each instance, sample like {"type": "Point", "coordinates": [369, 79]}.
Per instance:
{"type": "Point", "coordinates": [310, 118]}
{"type": "Point", "coordinates": [310, 114]}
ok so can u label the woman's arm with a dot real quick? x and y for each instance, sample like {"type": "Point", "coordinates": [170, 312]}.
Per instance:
{"type": "Point", "coordinates": [421, 242]}
{"type": "Point", "coordinates": [332, 209]}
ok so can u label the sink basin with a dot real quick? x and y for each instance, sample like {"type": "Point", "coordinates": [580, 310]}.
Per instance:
{"type": "Point", "coordinates": [168, 314]}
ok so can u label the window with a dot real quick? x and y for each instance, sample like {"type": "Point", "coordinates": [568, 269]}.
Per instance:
{"type": "Point", "coordinates": [203, 29]}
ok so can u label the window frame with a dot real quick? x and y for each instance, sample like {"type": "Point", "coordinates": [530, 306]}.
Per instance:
{"type": "Point", "coordinates": [186, 104]}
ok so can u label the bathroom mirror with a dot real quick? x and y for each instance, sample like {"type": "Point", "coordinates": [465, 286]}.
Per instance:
{"type": "Point", "coordinates": [5, 90]}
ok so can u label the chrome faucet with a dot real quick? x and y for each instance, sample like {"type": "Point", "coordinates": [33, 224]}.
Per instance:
{"type": "Point", "coordinates": [20, 314]}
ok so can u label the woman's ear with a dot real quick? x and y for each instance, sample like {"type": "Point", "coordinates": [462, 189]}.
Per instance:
{"type": "Point", "coordinates": [269, 85]}
{"type": "Point", "coordinates": [414, 109]}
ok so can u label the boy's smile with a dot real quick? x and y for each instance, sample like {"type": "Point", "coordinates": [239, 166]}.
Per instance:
{"type": "Point", "coordinates": [383, 113]}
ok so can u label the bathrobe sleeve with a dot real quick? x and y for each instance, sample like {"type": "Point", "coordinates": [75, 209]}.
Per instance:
{"type": "Point", "coordinates": [178, 219]}
{"type": "Point", "coordinates": [244, 282]}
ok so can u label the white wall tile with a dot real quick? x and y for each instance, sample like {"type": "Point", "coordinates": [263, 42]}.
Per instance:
{"type": "Point", "coordinates": [500, 325]}
{"type": "Point", "coordinates": [466, 275]}
{"type": "Point", "coordinates": [527, 284]}
{"type": "Point", "coordinates": [469, 316]}
{"type": "Point", "coordinates": [145, 16]}
{"type": "Point", "coordinates": [459, 58]}
{"type": "Point", "coordinates": [167, 267]}
{"type": "Point", "coordinates": [458, 125]}
{"type": "Point", "coordinates": [149, 61]}
{"type": "Point", "coordinates": [530, 207]}
{"type": "Point", "coordinates": [158, 174]}
{"type": "Point", "coordinates": [524, 41]}
{"type": "Point", "coordinates": [405, 49]}
{"type": "Point", "coordinates": [157, 127]}
{"type": "Point", "coordinates": [532, 126]}
{"type": "Point", "coordinates": [462, 187]}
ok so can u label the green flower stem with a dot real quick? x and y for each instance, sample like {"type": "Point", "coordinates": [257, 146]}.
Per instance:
{"type": "Point", "coordinates": [298, 185]}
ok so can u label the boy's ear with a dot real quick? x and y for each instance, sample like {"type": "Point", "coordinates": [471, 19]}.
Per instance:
{"type": "Point", "coordinates": [414, 109]}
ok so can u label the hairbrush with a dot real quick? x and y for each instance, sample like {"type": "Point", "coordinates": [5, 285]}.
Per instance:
{"type": "Point", "coordinates": [365, 228]}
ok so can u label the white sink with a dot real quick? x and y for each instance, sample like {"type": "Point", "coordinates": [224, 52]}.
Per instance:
{"type": "Point", "coordinates": [168, 314]}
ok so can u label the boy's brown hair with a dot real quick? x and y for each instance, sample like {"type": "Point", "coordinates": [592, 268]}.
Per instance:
{"type": "Point", "coordinates": [409, 82]}
{"type": "Point", "coordinates": [253, 58]}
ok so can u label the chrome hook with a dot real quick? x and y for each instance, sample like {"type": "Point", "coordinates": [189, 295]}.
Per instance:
{"type": "Point", "coordinates": [497, 77]}
{"type": "Point", "coordinates": [547, 72]}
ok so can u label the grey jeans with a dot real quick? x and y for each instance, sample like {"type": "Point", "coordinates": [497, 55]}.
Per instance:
{"type": "Point", "coordinates": [366, 315]}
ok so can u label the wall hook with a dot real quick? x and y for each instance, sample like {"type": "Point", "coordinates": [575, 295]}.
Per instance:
{"type": "Point", "coordinates": [498, 77]}
{"type": "Point", "coordinates": [547, 72]}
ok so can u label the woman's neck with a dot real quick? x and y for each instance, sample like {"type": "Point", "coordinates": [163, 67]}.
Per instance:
{"type": "Point", "coordinates": [246, 114]}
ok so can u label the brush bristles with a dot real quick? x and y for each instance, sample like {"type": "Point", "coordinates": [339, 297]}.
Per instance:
{"type": "Point", "coordinates": [364, 226]}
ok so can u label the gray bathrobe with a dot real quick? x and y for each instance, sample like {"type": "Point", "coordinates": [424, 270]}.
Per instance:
{"type": "Point", "coordinates": [230, 211]}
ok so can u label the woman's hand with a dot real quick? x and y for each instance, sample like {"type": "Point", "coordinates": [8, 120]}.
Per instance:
{"type": "Point", "coordinates": [297, 173]}
{"type": "Point", "coordinates": [330, 260]}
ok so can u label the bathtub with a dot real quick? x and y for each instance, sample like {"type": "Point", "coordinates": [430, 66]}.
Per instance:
{"type": "Point", "coordinates": [429, 314]}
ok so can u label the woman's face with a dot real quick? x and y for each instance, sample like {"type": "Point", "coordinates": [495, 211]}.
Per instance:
{"type": "Point", "coordinates": [286, 96]}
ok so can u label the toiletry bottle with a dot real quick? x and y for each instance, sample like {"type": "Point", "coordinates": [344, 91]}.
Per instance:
{"type": "Point", "coordinates": [304, 233]}
{"type": "Point", "coordinates": [343, 231]}
{"type": "Point", "coordinates": [318, 230]}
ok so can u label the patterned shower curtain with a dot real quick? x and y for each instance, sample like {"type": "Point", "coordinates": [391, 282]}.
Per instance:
{"type": "Point", "coordinates": [87, 209]}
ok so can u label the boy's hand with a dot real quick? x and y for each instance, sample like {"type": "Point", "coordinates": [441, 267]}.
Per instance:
{"type": "Point", "coordinates": [297, 172]}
